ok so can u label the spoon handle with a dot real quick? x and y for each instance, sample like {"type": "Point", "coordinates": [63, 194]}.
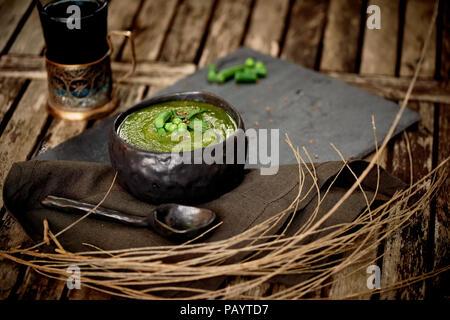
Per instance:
{"type": "Point", "coordinates": [73, 206]}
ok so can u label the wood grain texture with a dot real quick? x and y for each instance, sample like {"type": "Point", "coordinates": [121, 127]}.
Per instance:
{"type": "Point", "coordinates": [417, 18]}
{"type": "Point", "coordinates": [121, 17]}
{"type": "Point", "coordinates": [9, 90]}
{"type": "Point", "coordinates": [16, 144]}
{"type": "Point", "coordinates": [381, 40]}
{"type": "Point", "coordinates": [86, 293]}
{"type": "Point", "coordinates": [11, 12]}
{"type": "Point", "coordinates": [22, 130]}
{"type": "Point", "coordinates": [37, 287]}
{"type": "Point", "coordinates": [59, 131]}
{"type": "Point", "coordinates": [307, 22]}
{"type": "Point", "coordinates": [441, 252]}
{"type": "Point", "coordinates": [227, 29]}
{"type": "Point", "coordinates": [439, 287]}
{"type": "Point", "coordinates": [30, 40]}
{"type": "Point", "coordinates": [185, 36]}
{"type": "Point", "coordinates": [21, 66]}
{"type": "Point", "coordinates": [394, 88]}
{"type": "Point", "coordinates": [266, 26]}
{"type": "Point", "coordinates": [353, 279]}
{"type": "Point", "coordinates": [11, 236]}
{"type": "Point", "coordinates": [151, 26]}
{"type": "Point", "coordinates": [257, 292]}
{"type": "Point", "coordinates": [166, 73]}
{"type": "Point", "coordinates": [406, 251]}
{"type": "Point", "coordinates": [414, 238]}
{"type": "Point", "coordinates": [340, 44]}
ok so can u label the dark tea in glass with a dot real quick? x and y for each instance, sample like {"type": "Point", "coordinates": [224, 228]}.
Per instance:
{"type": "Point", "coordinates": [75, 31]}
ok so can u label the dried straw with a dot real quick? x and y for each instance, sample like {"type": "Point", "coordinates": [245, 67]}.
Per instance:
{"type": "Point", "coordinates": [142, 273]}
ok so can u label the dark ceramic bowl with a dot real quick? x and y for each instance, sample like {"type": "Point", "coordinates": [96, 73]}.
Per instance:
{"type": "Point", "coordinates": [162, 177]}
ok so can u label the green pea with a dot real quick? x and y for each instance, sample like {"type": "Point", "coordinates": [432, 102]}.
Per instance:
{"type": "Point", "coordinates": [162, 132]}
{"type": "Point", "coordinates": [198, 124]}
{"type": "Point", "coordinates": [249, 62]}
{"type": "Point", "coordinates": [226, 74]}
{"type": "Point", "coordinates": [246, 76]}
{"type": "Point", "coordinates": [212, 73]}
{"type": "Point", "coordinates": [260, 64]}
{"type": "Point", "coordinates": [170, 127]}
{"type": "Point", "coordinates": [182, 127]}
{"type": "Point", "coordinates": [220, 78]}
{"type": "Point", "coordinates": [177, 120]}
{"type": "Point", "coordinates": [162, 118]}
{"type": "Point", "coordinates": [261, 69]}
{"type": "Point", "coordinates": [159, 123]}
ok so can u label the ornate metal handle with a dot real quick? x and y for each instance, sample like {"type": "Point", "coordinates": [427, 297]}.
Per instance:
{"type": "Point", "coordinates": [130, 36]}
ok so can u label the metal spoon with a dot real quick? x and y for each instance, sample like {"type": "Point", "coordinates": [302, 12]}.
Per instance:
{"type": "Point", "coordinates": [172, 221]}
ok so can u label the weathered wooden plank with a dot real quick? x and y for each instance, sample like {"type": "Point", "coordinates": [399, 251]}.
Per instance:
{"type": "Point", "coordinates": [21, 132]}
{"type": "Point", "coordinates": [381, 40]}
{"type": "Point", "coordinates": [353, 279]}
{"type": "Point", "coordinates": [417, 17]}
{"type": "Point", "coordinates": [340, 44]}
{"type": "Point", "coordinates": [16, 144]}
{"type": "Point", "coordinates": [152, 24]}
{"type": "Point", "coordinates": [307, 21]}
{"type": "Point", "coordinates": [185, 35]}
{"type": "Point", "coordinates": [9, 90]}
{"type": "Point", "coordinates": [393, 88]}
{"type": "Point", "coordinates": [59, 131]}
{"type": "Point", "coordinates": [379, 54]}
{"type": "Point", "coordinates": [414, 239]}
{"type": "Point", "coordinates": [266, 26]}
{"type": "Point", "coordinates": [441, 253]}
{"type": "Point", "coordinates": [30, 40]}
{"type": "Point", "coordinates": [121, 17]}
{"type": "Point", "coordinates": [166, 73]}
{"type": "Point", "coordinates": [148, 73]}
{"type": "Point", "coordinates": [227, 29]}
{"type": "Point", "coordinates": [255, 292]}
{"type": "Point", "coordinates": [86, 293]}
{"type": "Point", "coordinates": [406, 250]}
{"type": "Point", "coordinates": [37, 287]}
{"type": "Point", "coordinates": [11, 236]}
{"type": "Point", "coordinates": [11, 12]}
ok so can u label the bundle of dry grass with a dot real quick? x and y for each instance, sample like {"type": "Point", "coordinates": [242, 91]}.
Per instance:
{"type": "Point", "coordinates": [143, 273]}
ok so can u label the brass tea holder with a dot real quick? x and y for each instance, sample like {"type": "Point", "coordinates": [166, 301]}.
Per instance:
{"type": "Point", "coordinates": [85, 91]}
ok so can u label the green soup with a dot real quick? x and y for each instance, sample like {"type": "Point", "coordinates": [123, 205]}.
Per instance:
{"type": "Point", "coordinates": [139, 130]}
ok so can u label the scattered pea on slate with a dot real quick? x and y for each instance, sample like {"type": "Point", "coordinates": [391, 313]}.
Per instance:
{"type": "Point", "coordinates": [250, 72]}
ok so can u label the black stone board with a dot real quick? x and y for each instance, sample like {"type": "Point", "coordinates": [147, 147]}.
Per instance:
{"type": "Point", "coordinates": [303, 103]}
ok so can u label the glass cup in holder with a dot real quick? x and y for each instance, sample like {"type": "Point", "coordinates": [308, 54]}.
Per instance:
{"type": "Point", "coordinates": [78, 58]}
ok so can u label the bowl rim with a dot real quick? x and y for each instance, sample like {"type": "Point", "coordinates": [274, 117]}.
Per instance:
{"type": "Point", "coordinates": [173, 96]}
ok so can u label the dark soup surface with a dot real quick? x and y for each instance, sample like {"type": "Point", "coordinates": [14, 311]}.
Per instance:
{"type": "Point", "coordinates": [177, 126]}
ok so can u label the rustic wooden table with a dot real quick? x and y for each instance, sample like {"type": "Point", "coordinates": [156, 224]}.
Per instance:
{"type": "Point", "coordinates": [174, 37]}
